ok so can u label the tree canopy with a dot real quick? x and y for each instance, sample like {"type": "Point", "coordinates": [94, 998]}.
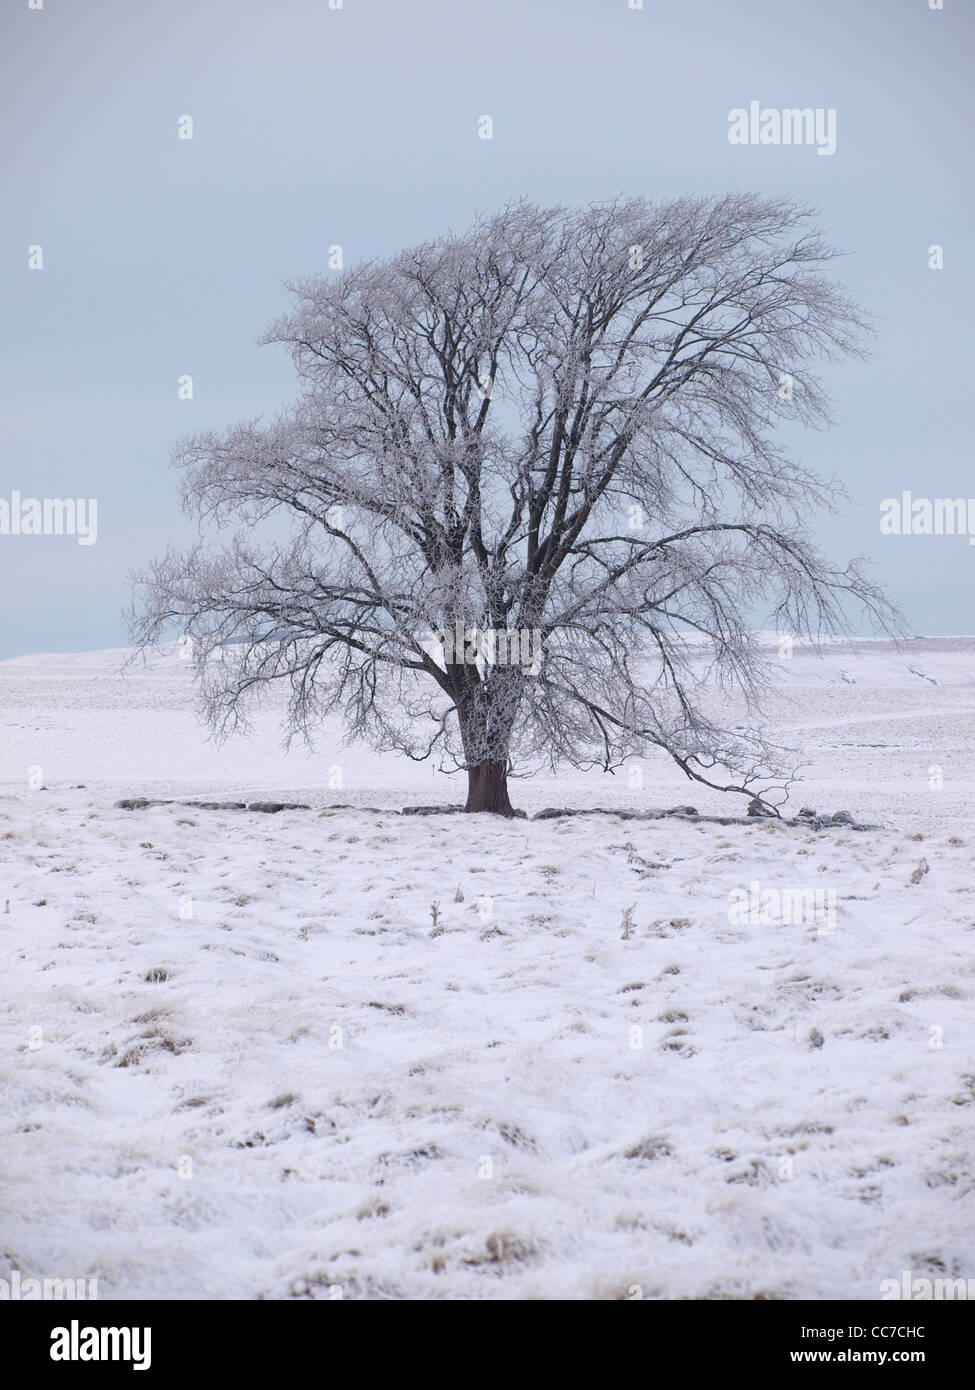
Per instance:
{"type": "Point", "coordinates": [555, 436]}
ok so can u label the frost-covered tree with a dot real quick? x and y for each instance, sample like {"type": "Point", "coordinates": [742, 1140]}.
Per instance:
{"type": "Point", "coordinates": [532, 484]}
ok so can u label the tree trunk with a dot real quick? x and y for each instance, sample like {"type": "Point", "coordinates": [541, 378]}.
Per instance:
{"type": "Point", "coordinates": [487, 789]}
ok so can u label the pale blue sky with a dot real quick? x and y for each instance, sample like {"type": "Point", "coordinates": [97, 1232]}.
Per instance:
{"type": "Point", "coordinates": [359, 126]}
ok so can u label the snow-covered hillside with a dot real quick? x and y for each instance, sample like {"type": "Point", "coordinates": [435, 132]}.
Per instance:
{"type": "Point", "coordinates": [869, 723]}
{"type": "Point", "coordinates": [243, 1055]}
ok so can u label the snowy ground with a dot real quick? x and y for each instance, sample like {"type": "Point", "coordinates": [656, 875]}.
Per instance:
{"type": "Point", "coordinates": [238, 1060]}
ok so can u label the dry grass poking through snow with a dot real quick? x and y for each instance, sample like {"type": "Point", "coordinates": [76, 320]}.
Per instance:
{"type": "Point", "coordinates": [307, 1085]}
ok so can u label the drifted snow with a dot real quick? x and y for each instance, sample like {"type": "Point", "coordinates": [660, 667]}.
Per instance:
{"type": "Point", "coordinates": [504, 1035]}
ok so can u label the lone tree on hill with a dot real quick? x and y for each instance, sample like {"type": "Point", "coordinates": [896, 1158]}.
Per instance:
{"type": "Point", "coordinates": [533, 492]}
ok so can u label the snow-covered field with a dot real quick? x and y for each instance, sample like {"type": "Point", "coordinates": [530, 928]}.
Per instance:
{"type": "Point", "coordinates": [239, 1059]}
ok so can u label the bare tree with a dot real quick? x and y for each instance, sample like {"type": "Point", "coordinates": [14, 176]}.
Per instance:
{"type": "Point", "coordinates": [531, 480]}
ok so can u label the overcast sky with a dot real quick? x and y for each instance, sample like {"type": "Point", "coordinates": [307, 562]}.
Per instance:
{"type": "Point", "coordinates": [359, 126]}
